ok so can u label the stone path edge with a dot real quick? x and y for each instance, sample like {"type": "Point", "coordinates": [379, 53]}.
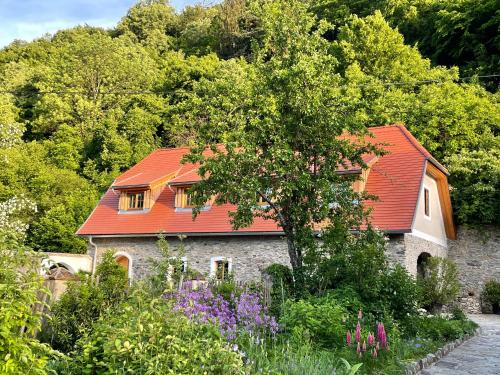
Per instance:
{"type": "Point", "coordinates": [415, 367]}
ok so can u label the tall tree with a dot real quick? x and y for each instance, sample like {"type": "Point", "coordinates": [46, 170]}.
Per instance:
{"type": "Point", "coordinates": [281, 121]}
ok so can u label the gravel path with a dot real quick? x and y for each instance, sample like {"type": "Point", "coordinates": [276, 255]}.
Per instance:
{"type": "Point", "coordinates": [478, 356]}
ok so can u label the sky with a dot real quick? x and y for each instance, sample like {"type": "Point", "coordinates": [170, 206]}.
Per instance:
{"type": "Point", "coordinates": [29, 19]}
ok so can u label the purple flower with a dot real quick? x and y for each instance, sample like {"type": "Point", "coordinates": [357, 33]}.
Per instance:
{"type": "Point", "coordinates": [248, 313]}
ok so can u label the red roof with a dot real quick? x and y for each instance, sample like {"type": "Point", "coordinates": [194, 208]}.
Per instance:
{"type": "Point", "coordinates": [394, 178]}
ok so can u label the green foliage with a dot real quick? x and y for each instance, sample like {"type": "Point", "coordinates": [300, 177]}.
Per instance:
{"type": "Point", "coordinates": [348, 259]}
{"type": "Point", "coordinates": [277, 155]}
{"type": "Point", "coordinates": [476, 186]}
{"type": "Point", "coordinates": [319, 319]}
{"type": "Point", "coordinates": [439, 282]}
{"type": "Point", "coordinates": [147, 336]}
{"type": "Point", "coordinates": [22, 296]}
{"type": "Point", "coordinates": [440, 328]}
{"type": "Point", "coordinates": [83, 302]}
{"type": "Point", "coordinates": [491, 292]}
{"type": "Point", "coordinates": [86, 103]}
{"type": "Point", "coordinates": [400, 292]}
{"type": "Point", "coordinates": [167, 271]}
{"type": "Point", "coordinates": [282, 287]}
{"type": "Point", "coordinates": [63, 198]}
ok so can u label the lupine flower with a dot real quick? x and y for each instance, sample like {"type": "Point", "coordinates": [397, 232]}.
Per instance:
{"type": "Point", "coordinates": [358, 349]}
{"type": "Point", "coordinates": [382, 337]}
{"type": "Point", "coordinates": [364, 346]}
{"type": "Point", "coordinates": [371, 339]}
{"type": "Point", "coordinates": [375, 353]}
{"type": "Point", "coordinates": [348, 338]}
{"type": "Point", "coordinates": [358, 332]}
{"type": "Point", "coordinates": [360, 315]}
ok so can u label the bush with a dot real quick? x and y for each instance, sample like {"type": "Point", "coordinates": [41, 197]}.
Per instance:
{"type": "Point", "coordinates": [320, 319]}
{"type": "Point", "coordinates": [357, 261]}
{"type": "Point", "coordinates": [491, 292]}
{"type": "Point", "coordinates": [400, 292]}
{"type": "Point", "coordinates": [147, 336]}
{"type": "Point", "coordinates": [83, 302]}
{"type": "Point", "coordinates": [439, 284]}
{"type": "Point", "coordinates": [282, 280]}
{"type": "Point", "coordinates": [442, 329]}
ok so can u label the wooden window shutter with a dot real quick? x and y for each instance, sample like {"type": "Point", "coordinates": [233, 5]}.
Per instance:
{"type": "Point", "coordinates": [179, 197]}
{"type": "Point", "coordinates": [147, 199]}
{"type": "Point", "coordinates": [123, 202]}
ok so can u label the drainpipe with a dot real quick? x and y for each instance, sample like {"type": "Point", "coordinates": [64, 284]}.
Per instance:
{"type": "Point", "coordinates": [94, 258]}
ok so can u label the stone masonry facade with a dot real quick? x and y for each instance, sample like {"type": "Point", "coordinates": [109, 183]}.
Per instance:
{"type": "Point", "coordinates": [477, 255]}
{"type": "Point", "coordinates": [406, 248]}
{"type": "Point", "coordinates": [249, 255]}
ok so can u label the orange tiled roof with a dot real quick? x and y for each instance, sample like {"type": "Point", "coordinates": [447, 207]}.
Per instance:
{"type": "Point", "coordinates": [394, 178]}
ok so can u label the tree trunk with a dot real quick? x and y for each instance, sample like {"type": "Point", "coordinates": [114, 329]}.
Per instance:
{"type": "Point", "coordinates": [296, 262]}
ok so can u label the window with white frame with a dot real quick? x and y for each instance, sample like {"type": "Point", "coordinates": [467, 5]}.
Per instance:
{"type": "Point", "coordinates": [220, 268]}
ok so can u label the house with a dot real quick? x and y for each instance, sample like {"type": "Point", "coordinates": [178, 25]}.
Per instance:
{"type": "Point", "coordinates": [413, 209]}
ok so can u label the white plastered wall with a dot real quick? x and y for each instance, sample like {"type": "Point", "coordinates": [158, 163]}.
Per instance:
{"type": "Point", "coordinates": [430, 228]}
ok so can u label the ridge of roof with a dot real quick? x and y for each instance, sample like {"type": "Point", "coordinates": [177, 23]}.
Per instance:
{"type": "Point", "coordinates": [422, 149]}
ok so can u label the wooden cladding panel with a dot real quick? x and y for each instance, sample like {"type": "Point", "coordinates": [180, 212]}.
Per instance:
{"type": "Point", "coordinates": [444, 199]}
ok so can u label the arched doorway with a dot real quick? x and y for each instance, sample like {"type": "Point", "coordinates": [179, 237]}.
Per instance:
{"type": "Point", "coordinates": [125, 262]}
{"type": "Point", "coordinates": [421, 260]}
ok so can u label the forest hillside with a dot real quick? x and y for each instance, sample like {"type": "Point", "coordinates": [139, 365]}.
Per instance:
{"type": "Point", "coordinates": [79, 107]}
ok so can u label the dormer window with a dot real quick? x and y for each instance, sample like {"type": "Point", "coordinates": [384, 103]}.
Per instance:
{"type": "Point", "coordinates": [136, 201]}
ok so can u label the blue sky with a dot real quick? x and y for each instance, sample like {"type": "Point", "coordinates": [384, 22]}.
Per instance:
{"type": "Point", "coordinates": [29, 19]}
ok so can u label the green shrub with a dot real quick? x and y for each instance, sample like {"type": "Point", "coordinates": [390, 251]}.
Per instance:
{"type": "Point", "coordinates": [400, 292]}
{"type": "Point", "coordinates": [83, 302]}
{"type": "Point", "coordinates": [439, 284]}
{"type": "Point", "coordinates": [320, 319]}
{"type": "Point", "coordinates": [441, 329]}
{"type": "Point", "coordinates": [491, 292]}
{"type": "Point", "coordinates": [357, 261]}
{"type": "Point", "coordinates": [282, 280]}
{"type": "Point", "coordinates": [145, 336]}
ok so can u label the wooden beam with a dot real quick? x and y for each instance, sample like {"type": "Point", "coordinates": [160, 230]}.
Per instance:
{"type": "Point", "coordinates": [444, 199]}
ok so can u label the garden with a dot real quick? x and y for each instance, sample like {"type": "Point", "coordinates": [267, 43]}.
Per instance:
{"type": "Point", "coordinates": [171, 325]}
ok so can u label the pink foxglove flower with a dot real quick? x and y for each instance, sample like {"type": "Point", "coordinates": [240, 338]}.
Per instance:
{"type": "Point", "coordinates": [348, 338]}
{"type": "Point", "coordinates": [358, 349]}
{"type": "Point", "coordinates": [360, 315]}
{"type": "Point", "coordinates": [358, 332]}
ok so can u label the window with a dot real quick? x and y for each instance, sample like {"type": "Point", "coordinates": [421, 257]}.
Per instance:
{"type": "Point", "coordinates": [261, 201]}
{"type": "Point", "coordinates": [183, 199]}
{"type": "Point", "coordinates": [220, 268]}
{"type": "Point", "coordinates": [426, 203]}
{"type": "Point", "coordinates": [136, 201]}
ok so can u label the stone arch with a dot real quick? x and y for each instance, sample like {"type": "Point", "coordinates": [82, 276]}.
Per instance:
{"type": "Point", "coordinates": [124, 260]}
{"type": "Point", "coordinates": [422, 258]}
{"type": "Point", "coordinates": [63, 265]}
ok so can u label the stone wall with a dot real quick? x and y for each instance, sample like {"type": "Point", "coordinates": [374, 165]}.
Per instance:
{"type": "Point", "coordinates": [405, 249]}
{"type": "Point", "coordinates": [249, 255]}
{"type": "Point", "coordinates": [477, 255]}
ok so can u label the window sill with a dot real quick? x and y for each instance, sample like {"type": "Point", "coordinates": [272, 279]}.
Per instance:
{"type": "Point", "coordinates": [190, 209]}
{"type": "Point", "coordinates": [131, 212]}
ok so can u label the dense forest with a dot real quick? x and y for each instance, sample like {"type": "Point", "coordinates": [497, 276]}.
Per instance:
{"type": "Point", "coordinates": [79, 107]}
